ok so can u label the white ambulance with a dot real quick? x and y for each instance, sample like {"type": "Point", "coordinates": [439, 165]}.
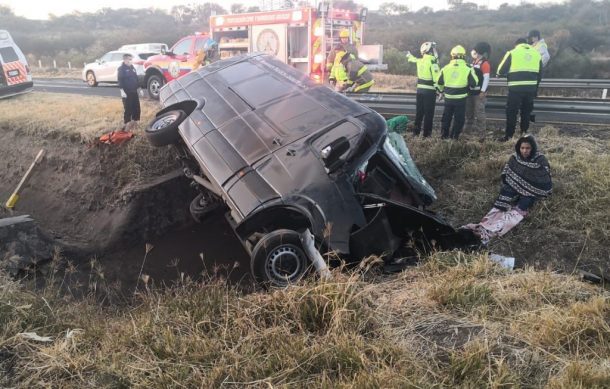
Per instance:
{"type": "Point", "coordinates": [15, 76]}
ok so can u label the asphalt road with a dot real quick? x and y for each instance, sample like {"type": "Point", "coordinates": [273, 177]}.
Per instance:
{"type": "Point", "coordinates": [75, 86]}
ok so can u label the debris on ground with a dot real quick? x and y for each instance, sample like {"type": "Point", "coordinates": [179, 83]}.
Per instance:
{"type": "Point", "coordinates": [23, 245]}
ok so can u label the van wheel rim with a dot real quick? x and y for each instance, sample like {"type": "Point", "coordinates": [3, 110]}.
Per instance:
{"type": "Point", "coordinates": [164, 122]}
{"type": "Point", "coordinates": [285, 264]}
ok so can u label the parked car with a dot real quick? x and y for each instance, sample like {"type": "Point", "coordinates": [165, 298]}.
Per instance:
{"type": "Point", "coordinates": [173, 63]}
{"type": "Point", "coordinates": [287, 156]}
{"type": "Point", "coordinates": [145, 47]}
{"type": "Point", "coordinates": [15, 76]}
{"type": "Point", "coordinates": [105, 68]}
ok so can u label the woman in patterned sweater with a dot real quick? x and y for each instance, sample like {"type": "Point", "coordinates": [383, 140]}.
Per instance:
{"type": "Point", "coordinates": [525, 178]}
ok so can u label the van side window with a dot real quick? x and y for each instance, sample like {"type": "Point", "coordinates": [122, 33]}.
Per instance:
{"type": "Point", "coordinates": [8, 54]}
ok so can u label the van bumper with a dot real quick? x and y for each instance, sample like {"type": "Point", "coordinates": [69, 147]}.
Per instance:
{"type": "Point", "coordinates": [11, 90]}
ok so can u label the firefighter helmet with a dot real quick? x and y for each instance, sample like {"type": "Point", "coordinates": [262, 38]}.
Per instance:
{"type": "Point", "coordinates": [458, 52]}
{"type": "Point", "coordinates": [426, 47]}
{"type": "Point", "coordinates": [344, 33]}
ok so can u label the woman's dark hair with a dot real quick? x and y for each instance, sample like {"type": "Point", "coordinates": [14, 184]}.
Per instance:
{"type": "Point", "coordinates": [529, 139]}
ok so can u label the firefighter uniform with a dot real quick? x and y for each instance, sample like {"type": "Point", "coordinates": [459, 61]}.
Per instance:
{"type": "Point", "coordinates": [523, 68]}
{"type": "Point", "coordinates": [427, 77]}
{"type": "Point", "coordinates": [351, 74]}
{"type": "Point", "coordinates": [344, 45]}
{"type": "Point", "coordinates": [455, 81]}
{"type": "Point", "coordinates": [359, 78]}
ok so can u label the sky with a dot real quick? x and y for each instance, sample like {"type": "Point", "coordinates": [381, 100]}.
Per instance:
{"type": "Point", "coordinates": [37, 9]}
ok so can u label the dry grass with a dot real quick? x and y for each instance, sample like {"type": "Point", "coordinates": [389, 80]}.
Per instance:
{"type": "Point", "coordinates": [456, 321]}
{"type": "Point", "coordinates": [79, 118]}
{"type": "Point", "coordinates": [568, 231]}
{"type": "Point", "coordinates": [393, 83]}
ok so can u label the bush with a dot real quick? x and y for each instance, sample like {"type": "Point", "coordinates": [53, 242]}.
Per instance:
{"type": "Point", "coordinates": [397, 62]}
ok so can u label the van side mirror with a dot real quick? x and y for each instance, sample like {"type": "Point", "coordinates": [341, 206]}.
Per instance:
{"type": "Point", "coordinates": [331, 154]}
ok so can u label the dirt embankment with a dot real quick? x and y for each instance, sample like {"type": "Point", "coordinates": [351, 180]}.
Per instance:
{"type": "Point", "coordinates": [85, 195]}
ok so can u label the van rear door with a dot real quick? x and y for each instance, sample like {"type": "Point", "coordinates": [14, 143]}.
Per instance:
{"type": "Point", "coordinates": [2, 76]}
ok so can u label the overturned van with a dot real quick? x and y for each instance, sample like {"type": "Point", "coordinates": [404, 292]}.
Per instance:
{"type": "Point", "coordinates": [15, 77]}
{"type": "Point", "coordinates": [285, 156]}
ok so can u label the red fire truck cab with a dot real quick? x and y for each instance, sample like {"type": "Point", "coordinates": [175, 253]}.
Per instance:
{"type": "Point", "coordinates": [301, 37]}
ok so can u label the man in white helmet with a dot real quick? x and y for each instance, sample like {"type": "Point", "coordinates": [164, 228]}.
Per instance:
{"type": "Point", "coordinates": [427, 77]}
{"type": "Point", "coordinates": [455, 80]}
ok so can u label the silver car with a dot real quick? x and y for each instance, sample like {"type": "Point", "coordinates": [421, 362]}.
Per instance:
{"type": "Point", "coordinates": [105, 68]}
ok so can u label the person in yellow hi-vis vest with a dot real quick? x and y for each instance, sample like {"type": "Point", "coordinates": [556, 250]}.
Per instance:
{"type": "Point", "coordinates": [427, 76]}
{"type": "Point", "coordinates": [523, 68]}
{"type": "Point", "coordinates": [353, 74]}
{"type": "Point", "coordinates": [455, 80]}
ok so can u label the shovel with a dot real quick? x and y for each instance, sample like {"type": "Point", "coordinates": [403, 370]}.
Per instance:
{"type": "Point", "coordinates": [10, 204]}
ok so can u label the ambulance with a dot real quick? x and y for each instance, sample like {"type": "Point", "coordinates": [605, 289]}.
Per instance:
{"type": "Point", "coordinates": [15, 76]}
{"type": "Point", "coordinates": [301, 37]}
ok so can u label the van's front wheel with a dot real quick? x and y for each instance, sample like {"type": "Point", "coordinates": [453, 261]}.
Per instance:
{"type": "Point", "coordinates": [278, 259]}
{"type": "Point", "coordinates": [163, 130]}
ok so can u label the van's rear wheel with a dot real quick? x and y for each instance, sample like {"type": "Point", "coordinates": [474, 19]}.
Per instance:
{"type": "Point", "coordinates": [203, 205]}
{"type": "Point", "coordinates": [163, 130]}
{"type": "Point", "coordinates": [154, 84]}
{"type": "Point", "coordinates": [278, 259]}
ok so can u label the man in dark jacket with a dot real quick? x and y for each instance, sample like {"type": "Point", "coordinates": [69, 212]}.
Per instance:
{"type": "Point", "coordinates": [128, 82]}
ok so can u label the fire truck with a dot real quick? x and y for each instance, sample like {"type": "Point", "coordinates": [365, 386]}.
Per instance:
{"type": "Point", "coordinates": [301, 37]}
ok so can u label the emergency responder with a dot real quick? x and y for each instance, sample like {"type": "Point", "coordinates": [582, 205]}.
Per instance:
{"type": "Point", "coordinates": [455, 80]}
{"type": "Point", "coordinates": [476, 120]}
{"type": "Point", "coordinates": [337, 70]}
{"type": "Point", "coordinates": [427, 76]}
{"type": "Point", "coordinates": [522, 66]}
{"type": "Point", "coordinates": [128, 82]}
{"type": "Point", "coordinates": [351, 74]}
{"type": "Point", "coordinates": [344, 45]}
{"type": "Point", "coordinates": [207, 54]}
{"type": "Point", "coordinates": [533, 38]}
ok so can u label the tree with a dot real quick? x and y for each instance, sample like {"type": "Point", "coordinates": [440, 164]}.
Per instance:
{"type": "Point", "coordinates": [454, 4]}
{"type": "Point", "coordinates": [425, 10]}
{"type": "Point", "coordinates": [6, 11]}
{"type": "Point", "coordinates": [237, 8]}
{"type": "Point", "coordinates": [393, 9]}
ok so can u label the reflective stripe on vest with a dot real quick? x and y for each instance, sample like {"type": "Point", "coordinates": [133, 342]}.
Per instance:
{"type": "Point", "coordinates": [363, 86]}
{"type": "Point", "coordinates": [455, 76]}
{"type": "Point", "coordinates": [524, 66]}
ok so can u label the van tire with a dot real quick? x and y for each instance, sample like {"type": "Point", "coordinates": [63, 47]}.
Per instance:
{"type": "Point", "coordinates": [163, 130]}
{"type": "Point", "coordinates": [153, 86]}
{"type": "Point", "coordinates": [278, 259]}
{"type": "Point", "coordinates": [203, 205]}
{"type": "Point", "coordinates": [91, 80]}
